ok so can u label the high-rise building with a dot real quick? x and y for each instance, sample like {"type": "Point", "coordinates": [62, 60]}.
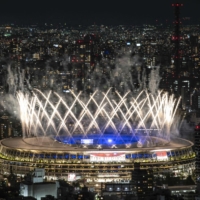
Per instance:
{"type": "Point", "coordinates": [195, 102]}
{"type": "Point", "coordinates": [82, 63]}
{"type": "Point", "coordinates": [9, 126]}
{"type": "Point", "coordinates": [6, 127]}
{"type": "Point", "coordinates": [194, 44]}
{"type": "Point", "coordinates": [176, 37]}
{"type": "Point", "coordinates": [142, 181]}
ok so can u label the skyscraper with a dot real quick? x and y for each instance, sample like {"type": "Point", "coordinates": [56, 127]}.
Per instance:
{"type": "Point", "coordinates": [177, 37]}
{"type": "Point", "coordinates": [142, 180]}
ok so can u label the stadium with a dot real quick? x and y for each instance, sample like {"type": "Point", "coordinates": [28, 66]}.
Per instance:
{"type": "Point", "coordinates": [97, 139]}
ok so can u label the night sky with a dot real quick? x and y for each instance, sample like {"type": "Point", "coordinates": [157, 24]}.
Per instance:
{"type": "Point", "coordinates": [99, 12]}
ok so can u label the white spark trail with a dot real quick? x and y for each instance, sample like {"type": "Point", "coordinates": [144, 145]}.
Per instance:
{"type": "Point", "coordinates": [43, 116]}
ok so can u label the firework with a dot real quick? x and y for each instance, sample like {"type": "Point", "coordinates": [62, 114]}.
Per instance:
{"type": "Point", "coordinates": [98, 114]}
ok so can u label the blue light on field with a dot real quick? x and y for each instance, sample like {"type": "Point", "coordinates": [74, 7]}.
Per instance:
{"type": "Point", "coordinates": [95, 139]}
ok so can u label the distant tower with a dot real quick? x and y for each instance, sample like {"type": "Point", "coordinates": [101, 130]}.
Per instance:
{"type": "Point", "coordinates": [177, 36]}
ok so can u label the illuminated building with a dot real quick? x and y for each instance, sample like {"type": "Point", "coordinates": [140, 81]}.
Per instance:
{"type": "Point", "coordinates": [93, 164]}
{"type": "Point", "coordinates": [38, 189]}
{"type": "Point", "coordinates": [98, 138]}
{"type": "Point", "coordinates": [6, 127]}
{"type": "Point", "coordinates": [195, 102]}
{"type": "Point", "coordinates": [197, 151]}
{"type": "Point", "coordinates": [82, 62]}
{"type": "Point", "coordinates": [177, 36]}
{"type": "Point", "coordinates": [142, 180]}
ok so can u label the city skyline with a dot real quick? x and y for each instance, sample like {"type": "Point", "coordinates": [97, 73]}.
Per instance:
{"type": "Point", "coordinates": [99, 98]}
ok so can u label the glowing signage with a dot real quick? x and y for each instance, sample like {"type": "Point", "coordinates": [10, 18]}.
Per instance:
{"type": "Point", "coordinates": [107, 157]}
{"type": "Point", "coordinates": [71, 177]}
{"type": "Point", "coordinates": [161, 155]}
{"type": "Point", "coordinates": [107, 175]}
{"type": "Point", "coordinates": [86, 141]}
